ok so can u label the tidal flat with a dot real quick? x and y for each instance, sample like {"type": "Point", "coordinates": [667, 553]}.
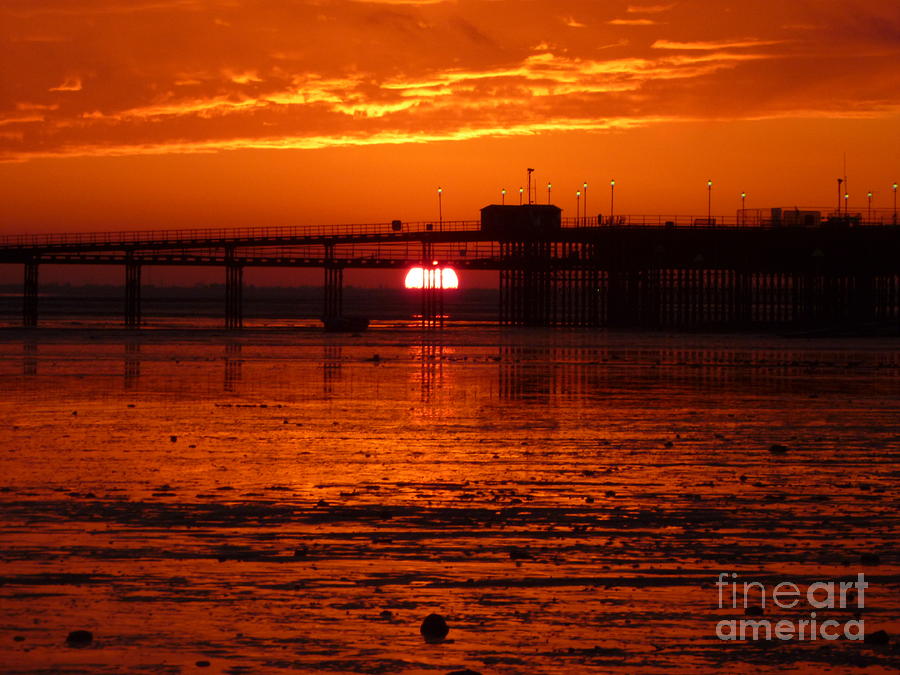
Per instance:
{"type": "Point", "coordinates": [290, 501]}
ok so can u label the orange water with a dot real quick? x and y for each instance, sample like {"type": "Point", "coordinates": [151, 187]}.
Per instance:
{"type": "Point", "coordinates": [291, 502]}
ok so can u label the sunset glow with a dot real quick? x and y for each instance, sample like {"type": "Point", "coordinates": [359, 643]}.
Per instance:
{"type": "Point", "coordinates": [212, 113]}
{"type": "Point", "coordinates": [444, 278]}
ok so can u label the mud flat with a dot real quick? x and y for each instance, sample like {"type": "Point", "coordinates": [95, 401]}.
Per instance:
{"type": "Point", "coordinates": [287, 501]}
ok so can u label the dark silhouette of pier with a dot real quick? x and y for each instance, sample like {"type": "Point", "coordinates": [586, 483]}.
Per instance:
{"type": "Point", "coordinates": [660, 272]}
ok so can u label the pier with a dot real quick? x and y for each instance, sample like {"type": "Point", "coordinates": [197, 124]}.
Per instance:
{"type": "Point", "coordinates": [650, 273]}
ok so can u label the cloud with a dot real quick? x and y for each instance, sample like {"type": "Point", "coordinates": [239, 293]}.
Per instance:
{"type": "Point", "coordinates": [69, 84]}
{"type": "Point", "coordinates": [632, 22]}
{"type": "Point", "coordinates": [172, 75]}
{"type": "Point", "coordinates": [714, 44]}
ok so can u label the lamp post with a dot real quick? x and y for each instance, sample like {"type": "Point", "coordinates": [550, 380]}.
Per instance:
{"type": "Point", "coordinates": [503, 196]}
{"type": "Point", "coordinates": [549, 188]}
{"type": "Point", "coordinates": [521, 190]}
{"type": "Point", "coordinates": [743, 208]}
{"type": "Point", "coordinates": [440, 208]}
{"type": "Point", "coordinates": [894, 188]}
{"type": "Point", "coordinates": [846, 203]}
{"type": "Point", "coordinates": [840, 182]}
{"type": "Point", "coordinates": [709, 202]}
{"type": "Point", "coordinates": [585, 202]}
{"type": "Point", "coordinates": [577, 206]}
{"type": "Point", "coordinates": [612, 199]}
{"type": "Point", "coordinates": [869, 214]}
{"type": "Point", "coordinates": [530, 171]}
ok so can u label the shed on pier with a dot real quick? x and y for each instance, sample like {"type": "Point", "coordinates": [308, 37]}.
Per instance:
{"type": "Point", "coordinates": [517, 221]}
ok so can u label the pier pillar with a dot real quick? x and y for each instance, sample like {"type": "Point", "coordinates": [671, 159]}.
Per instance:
{"type": "Point", "coordinates": [333, 304]}
{"type": "Point", "coordinates": [432, 289]}
{"type": "Point", "coordinates": [30, 295]}
{"type": "Point", "coordinates": [528, 284]}
{"type": "Point", "coordinates": [234, 293]}
{"type": "Point", "coordinates": [132, 294]}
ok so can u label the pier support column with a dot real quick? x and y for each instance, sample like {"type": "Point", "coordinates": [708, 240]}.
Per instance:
{"type": "Point", "coordinates": [234, 293]}
{"type": "Point", "coordinates": [333, 306]}
{"type": "Point", "coordinates": [132, 294]}
{"type": "Point", "coordinates": [432, 291]}
{"type": "Point", "coordinates": [30, 295]}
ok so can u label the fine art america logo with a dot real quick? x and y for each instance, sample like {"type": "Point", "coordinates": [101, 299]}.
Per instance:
{"type": "Point", "coordinates": [753, 598]}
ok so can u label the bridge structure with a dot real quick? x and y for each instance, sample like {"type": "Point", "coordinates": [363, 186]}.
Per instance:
{"type": "Point", "coordinates": [658, 272]}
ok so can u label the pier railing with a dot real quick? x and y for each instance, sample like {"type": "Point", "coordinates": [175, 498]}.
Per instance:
{"type": "Point", "coordinates": [757, 218]}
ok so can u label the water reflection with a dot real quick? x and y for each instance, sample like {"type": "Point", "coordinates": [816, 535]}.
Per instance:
{"type": "Point", "coordinates": [30, 357]}
{"type": "Point", "coordinates": [541, 374]}
{"type": "Point", "coordinates": [439, 370]}
{"type": "Point", "coordinates": [430, 354]}
{"type": "Point", "coordinates": [132, 364]}
{"type": "Point", "coordinates": [234, 365]}
{"type": "Point", "coordinates": [332, 354]}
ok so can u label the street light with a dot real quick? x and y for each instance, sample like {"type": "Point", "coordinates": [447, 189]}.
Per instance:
{"type": "Point", "coordinates": [869, 215]}
{"type": "Point", "coordinates": [894, 188]}
{"type": "Point", "coordinates": [440, 208]}
{"type": "Point", "coordinates": [549, 188]}
{"type": "Point", "coordinates": [612, 199]}
{"type": "Point", "coordinates": [503, 196]}
{"type": "Point", "coordinates": [743, 207]}
{"type": "Point", "coordinates": [846, 203]}
{"type": "Point", "coordinates": [577, 206]}
{"type": "Point", "coordinates": [530, 171]}
{"type": "Point", "coordinates": [840, 182]}
{"type": "Point", "coordinates": [521, 190]}
{"type": "Point", "coordinates": [709, 202]}
{"type": "Point", "coordinates": [585, 201]}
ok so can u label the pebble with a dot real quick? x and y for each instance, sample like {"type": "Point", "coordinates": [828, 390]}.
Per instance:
{"type": "Point", "coordinates": [879, 637]}
{"type": "Point", "coordinates": [434, 628]}
{"type": "Point", "coordinates": [80, 638]}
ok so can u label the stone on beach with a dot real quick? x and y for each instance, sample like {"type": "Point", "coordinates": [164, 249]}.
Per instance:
{"type": "Point", "coordinates": [879, 637]}
{"type": "Point", "coordinates": [434, 628]}
{"type": "Point", "coordinates": [80, 638]}
{"type": "Point", "coordinates": [778, 449]}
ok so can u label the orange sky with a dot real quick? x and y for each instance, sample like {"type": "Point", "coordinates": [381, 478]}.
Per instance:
{"type": "Point", "coordinates": [169, 113]}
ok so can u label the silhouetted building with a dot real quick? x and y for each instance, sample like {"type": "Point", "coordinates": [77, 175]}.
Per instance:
{"type": "Point", "coordinates": [517, 221]}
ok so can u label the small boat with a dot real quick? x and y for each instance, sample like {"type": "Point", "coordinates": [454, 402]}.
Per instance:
{"type": "Point", "coordinates": [345, 324]}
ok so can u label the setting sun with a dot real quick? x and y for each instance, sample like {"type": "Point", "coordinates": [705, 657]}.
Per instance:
{"type": "Point", "coordinates": [444, 278]}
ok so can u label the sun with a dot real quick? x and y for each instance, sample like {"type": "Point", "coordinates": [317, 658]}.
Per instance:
{"type": "Point", "coordinates": [436, 277]}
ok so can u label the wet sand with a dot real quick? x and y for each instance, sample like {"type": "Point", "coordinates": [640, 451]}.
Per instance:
{"type": "Point", "coordinates": [287, 501]}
